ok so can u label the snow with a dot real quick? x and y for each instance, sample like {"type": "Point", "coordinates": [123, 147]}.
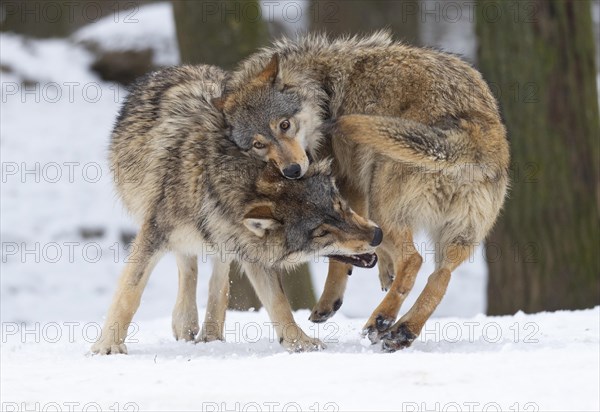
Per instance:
{"type": "Point", "coordinates": [56, 284]}
{"type": "Point", "coordinates": [449, 26]}
{"type": "Point", "coordinates": [47, 61]}
{"type": "Point", "coordinates": [292, 15]}
{"type": "Point", "coordinates": [541, 362]}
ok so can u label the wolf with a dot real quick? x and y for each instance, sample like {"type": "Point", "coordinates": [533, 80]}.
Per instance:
{"type": "Point", "coordinates": [418, 144]}
{"type": "Point", "coordinates": [194, 192]}
{"type": "Point", "coordinates": [288, 137]}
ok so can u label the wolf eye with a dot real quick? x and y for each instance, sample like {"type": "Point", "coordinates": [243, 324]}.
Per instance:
{"type": "Point", "coordinates": [320, 233]}
{"type": "Point", "coordinates": [284, 125]}
{"type": "Point", "coordinates": [258, 145]}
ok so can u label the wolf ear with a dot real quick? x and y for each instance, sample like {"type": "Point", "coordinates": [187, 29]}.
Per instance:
{"type": "Point", "coordinates": [271, 70]}
{"type": "Point", "coordinates": [260, 219]}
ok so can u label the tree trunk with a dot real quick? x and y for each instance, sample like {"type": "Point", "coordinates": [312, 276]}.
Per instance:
{"type": "Point", "coordinates": [339, 17]}
{"type": "Point", "coordinates": [539, 59]}
{"type": "Point", "coordinates": [241, 292]}
{"type": "Point", "coordinates": [299, 289]}
{"type": "Point", "coordinates": [223, 33]}
{"type": "Point", "coordinates": [297, 285]}
{"type": "Point", "coordinates": [37, 19]}
{"type": "Point", "coordinates": [220, 33]}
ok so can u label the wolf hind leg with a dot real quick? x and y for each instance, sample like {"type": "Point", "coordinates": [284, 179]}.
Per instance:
{"type": "Point", "coordinates": [185, 313]}
{"type": "Point", "coordinates": [406, 330]}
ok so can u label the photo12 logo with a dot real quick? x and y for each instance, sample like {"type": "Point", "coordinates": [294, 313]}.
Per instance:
{"type": "Point", "coordinates": [268, 406]}
{"type": "Point", "coordinates": [474, 331]}
{"type": "Point", "coordinates": [55, 12]}
{"type": "Point", "coordinates": [69, 407]}
{"type": "Point", "coordinates": [468, 407]}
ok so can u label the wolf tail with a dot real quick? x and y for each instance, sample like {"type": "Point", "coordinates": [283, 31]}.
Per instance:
{"type": "Point", "coordinates": [449, 147]}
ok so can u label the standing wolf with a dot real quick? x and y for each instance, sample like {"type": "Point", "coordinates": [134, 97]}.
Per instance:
{"type": "Point", "coordinates": [417, 142]}
{"type": "Point", "coordinates": [194, 191]}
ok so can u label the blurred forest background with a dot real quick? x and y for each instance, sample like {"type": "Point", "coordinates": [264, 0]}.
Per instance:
{"type": "Point", "coordinates": [541, 60]}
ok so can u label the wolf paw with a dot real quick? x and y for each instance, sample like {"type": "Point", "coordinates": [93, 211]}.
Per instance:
{"type": "Point", "coordinates": [386, 272]}
{"type": "Point", "coordinates": [185, 329]}
{"type": "Point", "coordinates": [324, 311]}
{"type": "Point", "coordinates": [386, 278]}
{"type": "Point", "coordinates": [302, 344]}
{"type": "Point", "coordinates": [185, 324]}
{"type": "Point", "coordinates": [185, 332]}
{"type": "Point", "coordinates": [206, 337]}
{"type": "Point", "coordinates": [376, 327]}
{"type": "Point", "coordinates": [399, 337]}
{"type": "Point", "coordinates": [211, 331]}
{"type": "Point", "coordinates": [109, 348]}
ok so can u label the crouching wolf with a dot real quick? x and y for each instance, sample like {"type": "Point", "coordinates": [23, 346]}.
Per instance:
{"type": "Point", "coordinates": [417, 143]}
{"type": "Point", "coordinates": [194, 191]}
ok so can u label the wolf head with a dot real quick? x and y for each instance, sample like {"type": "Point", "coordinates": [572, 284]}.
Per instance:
{"type": "Point", "coordinates": [307, 218]}
{"type": "Point", "coordinates": [271, 121]}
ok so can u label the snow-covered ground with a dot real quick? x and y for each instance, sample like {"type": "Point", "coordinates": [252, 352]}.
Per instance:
{"type": "Point", "coordinates": [540, 362]}
{"type": "Point", "coordinates": [62, 251]}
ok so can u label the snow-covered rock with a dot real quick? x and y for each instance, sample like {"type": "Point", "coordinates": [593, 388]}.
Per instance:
{"type": "Point", "coordinates": [151, 27]}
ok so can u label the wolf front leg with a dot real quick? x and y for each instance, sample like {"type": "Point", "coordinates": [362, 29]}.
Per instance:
{"type": "Point", "coordinates": [185, 313]}
{"type": "Point", "coordinates": [333, 295]}
{"type": "Point", "coordinates": [218, 298]}
{"type": "Point", "coordinates": [146, 250]}
{"type": "Point", "coordinates": [332, 298]}
{"type": "Point", "coordinates": [268, 287]}
{"type": "Point", "coordinates": [406, 266]}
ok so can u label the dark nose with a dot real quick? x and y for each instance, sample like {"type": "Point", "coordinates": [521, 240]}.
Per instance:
{"type": "Point", "coordinates": [293, 171]}
{"type": "Point", "coordinates": [377, 237]}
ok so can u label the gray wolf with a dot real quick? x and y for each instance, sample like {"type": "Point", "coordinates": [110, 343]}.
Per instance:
{"type": "Point", "coordinates": [193, 190]}
{"type": "Point", "coordinates": [288, 136]}
{"type": "Point", "coordinates": [417, 142]}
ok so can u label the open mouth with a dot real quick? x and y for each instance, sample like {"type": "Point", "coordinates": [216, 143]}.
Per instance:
{"type": "Point", "coordinates": [366, 260]}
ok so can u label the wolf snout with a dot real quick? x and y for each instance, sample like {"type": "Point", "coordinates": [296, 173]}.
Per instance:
{"type": "Point", "coordinates": [293, 171]}
{"type": "Point", "coordinates": [377, 237]}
